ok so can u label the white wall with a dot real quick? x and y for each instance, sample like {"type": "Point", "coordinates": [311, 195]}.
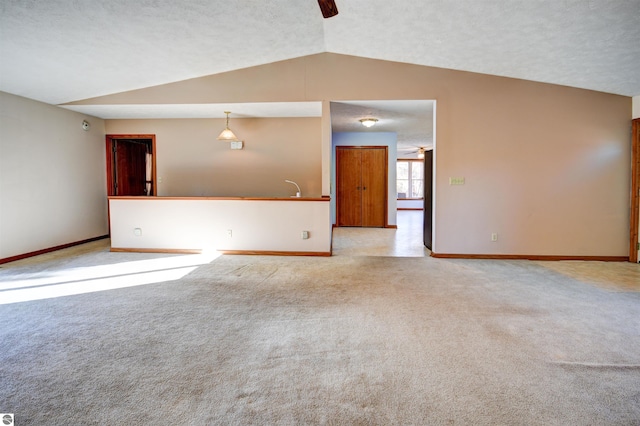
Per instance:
{"type": "Point", "coordinates": [204, 223]}
{"type": "Point", "coordinates": [388, 139]}
{"type": "Point", "coordinates": [52, 177]}
{"type": "Point", "coordinates": [636, 107]}
{"type": "Point", "coordinates": [410, 204]}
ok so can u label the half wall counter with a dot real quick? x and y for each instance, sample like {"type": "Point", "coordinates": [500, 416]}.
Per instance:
{"type": "Point", "coordinates": [232, 225]}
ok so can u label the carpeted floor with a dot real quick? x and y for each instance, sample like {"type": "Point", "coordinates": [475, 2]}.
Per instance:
{"type": "Point", "coordinates": [338, 341]}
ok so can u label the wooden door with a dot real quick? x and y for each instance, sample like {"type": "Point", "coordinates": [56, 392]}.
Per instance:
{"type": "Point", "coordinates": [634, 240]}
{"type": "Point", "coordinates": [349, 185]}
{"type": "Point", "coordinates": [361, 175]}
{"type": "Point", "coordinates": [130, 167]}
{"type": "Point", "coordinates": [428, 200]}
{"type": "Point", "coordinates": [374, 187]}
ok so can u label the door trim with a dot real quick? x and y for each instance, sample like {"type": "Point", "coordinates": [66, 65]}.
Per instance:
{"type": "Point", "coordinates": [427, 228]}
{"type": "Point", "coordinates": [634, 216]}
{"type": "Point", "coordinates": [109, 141]}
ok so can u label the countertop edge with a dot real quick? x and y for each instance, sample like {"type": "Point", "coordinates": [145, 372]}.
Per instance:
{"type": "Point", "coordinates": [125, 197]}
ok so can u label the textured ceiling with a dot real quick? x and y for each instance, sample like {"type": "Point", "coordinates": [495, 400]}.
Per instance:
{"type": "Point", "coordinates": [59, 51]}
{"type": "Point", "coordinates": [238, 110]}
{"type": "Point", "coordinates": [411, 120]}
{"type": "Point", "coordinates": [592, 44]}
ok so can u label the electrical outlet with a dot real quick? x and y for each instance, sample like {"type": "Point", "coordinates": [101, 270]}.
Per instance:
{"type": "Point", "coordinates": [494, 237]}
{"type": "Point", "coordinates": [137, 232]}
{"type": "Point", "coordinates": [305, 235]}
{"type": "Point", "coordinates": [229, 233]}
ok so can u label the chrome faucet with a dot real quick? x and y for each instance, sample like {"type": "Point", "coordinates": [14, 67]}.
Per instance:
{"type": "Point", "coordinates": [299, 193]}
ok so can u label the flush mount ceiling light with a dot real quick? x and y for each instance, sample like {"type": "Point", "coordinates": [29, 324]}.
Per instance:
{"type": "Point", "coordinates": [368, 122]}
{"type": "Point", "coordinates": [227, 134]}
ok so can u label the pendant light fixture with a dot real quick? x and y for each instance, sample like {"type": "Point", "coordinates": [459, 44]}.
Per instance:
{"type": "Point", "coordinates": [421, 153]}
{"type": "Point", "coordinates": [227, 134]}
{"type": "Point", "coordinates": [368, 122]}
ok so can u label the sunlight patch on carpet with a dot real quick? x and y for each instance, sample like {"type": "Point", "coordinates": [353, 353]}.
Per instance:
{"type": "Point", "coordinates": [73, 281]}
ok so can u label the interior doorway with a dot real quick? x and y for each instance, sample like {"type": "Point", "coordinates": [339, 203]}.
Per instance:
{"type": "Point", "coordinates": [414, 125]}
{"type": "Point", "coordinates": [131, 165]}
{"type": "Point", "coordinates": [403, 241]}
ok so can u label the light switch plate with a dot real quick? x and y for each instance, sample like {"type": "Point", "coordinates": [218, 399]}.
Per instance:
{"type": "Point", "coordinates": [456, 181]}
{"type": "Point", "coordinates": [237, 144]}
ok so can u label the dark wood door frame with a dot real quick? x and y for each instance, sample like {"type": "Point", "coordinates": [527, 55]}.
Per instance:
{"type": "Point", "coordinates": [110, 163]}
{"type": "Point", "coordinates": [635, 191]}
{"type": "Point", "coordinates": [428, 200]}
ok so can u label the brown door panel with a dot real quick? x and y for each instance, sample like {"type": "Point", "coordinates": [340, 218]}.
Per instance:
{"type": "Point", "coordinates": [349, 181]}
{"type": "Point", "coordinates": [374, 179]}
{"type": "Point", "coordinates": [361, 175]}
{"type": "Point", "coordinates": [130, 160]}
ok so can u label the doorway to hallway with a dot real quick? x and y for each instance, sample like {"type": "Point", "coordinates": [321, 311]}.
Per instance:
{"type": "Point", "coordinates": [406, 241]}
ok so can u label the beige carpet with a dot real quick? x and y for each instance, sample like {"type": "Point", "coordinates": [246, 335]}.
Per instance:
{"type": "Point", "coordinates": [337, 341]}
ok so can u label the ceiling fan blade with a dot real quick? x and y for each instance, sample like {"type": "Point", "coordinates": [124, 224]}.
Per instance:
{"type": "Point", "coordinates": [328, 8]}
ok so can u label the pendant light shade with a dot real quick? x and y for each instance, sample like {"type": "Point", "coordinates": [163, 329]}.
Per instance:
{"type": "Point", "coordinates": [227, 134]}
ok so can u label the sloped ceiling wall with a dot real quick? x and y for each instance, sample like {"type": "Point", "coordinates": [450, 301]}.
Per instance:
{"type": "Point", "coordinates": [58, 51]}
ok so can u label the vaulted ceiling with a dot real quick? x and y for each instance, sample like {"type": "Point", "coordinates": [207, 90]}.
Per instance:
{"type": "Point", "coordinates": [59, 51]}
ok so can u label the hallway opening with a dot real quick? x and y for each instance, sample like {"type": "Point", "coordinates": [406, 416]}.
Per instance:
{"type": "Point", "coordinates": [406, 241]}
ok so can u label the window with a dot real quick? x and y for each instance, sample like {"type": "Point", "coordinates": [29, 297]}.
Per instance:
{"type": "Point", "coordinates": [410, 179]}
